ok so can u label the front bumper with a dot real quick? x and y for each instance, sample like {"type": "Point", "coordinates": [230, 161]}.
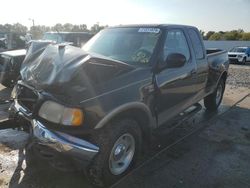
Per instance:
{"type": "Point", "coordinates": [77, 148]}
{"type": "Point", "coordinates": [235, 59]}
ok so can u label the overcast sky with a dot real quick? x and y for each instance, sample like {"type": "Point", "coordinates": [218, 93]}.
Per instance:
{"type": "Point", "coordinates": [206, 15]}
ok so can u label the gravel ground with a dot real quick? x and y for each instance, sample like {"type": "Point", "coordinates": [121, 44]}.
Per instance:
{"type": "Point", "coordinates": [239, 76]}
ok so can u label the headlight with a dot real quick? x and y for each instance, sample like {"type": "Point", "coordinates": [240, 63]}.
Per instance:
{"type": "Point", "coordinates": [60, 114]}
{"type": "Point", "coordinates": [240, 56]}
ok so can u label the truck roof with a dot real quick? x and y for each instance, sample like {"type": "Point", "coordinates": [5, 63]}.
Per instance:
{"type": "Point", "coordinates": [153, 25]}
{"type": "Point", "coordinates": [15, 53]}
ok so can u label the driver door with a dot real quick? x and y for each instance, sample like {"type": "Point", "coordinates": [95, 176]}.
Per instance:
{"type": "Point", "coordinates": [176, 86]}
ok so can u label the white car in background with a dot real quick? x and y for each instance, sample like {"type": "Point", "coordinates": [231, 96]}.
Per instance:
{"type": "Point", "coordinates": [239, 55]}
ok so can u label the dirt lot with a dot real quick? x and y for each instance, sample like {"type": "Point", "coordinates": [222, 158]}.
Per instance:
{"type": "Point", "coordinates": [209, 150]}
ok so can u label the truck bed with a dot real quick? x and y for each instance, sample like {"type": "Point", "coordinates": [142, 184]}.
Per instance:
{"type": "Point", "coordinates": [216, 58]}
{"type": "Point", "coordinates": [213, 51]}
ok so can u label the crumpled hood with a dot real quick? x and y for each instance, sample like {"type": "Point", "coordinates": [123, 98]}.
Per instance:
{"type": "Point", "coordinates": [63, 68]}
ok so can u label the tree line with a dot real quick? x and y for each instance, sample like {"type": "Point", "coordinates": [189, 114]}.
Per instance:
{"type": "Point", "coordinates": [228, 35]}
{"type": "Point", "coordinates": [37, 31]}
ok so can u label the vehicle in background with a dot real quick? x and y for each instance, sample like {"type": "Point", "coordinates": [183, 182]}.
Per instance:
{"type": "Point", "coordinates": [239, 55]}
{"type": "Point", "coordinates": [3, 44]}
{"type": "Point", "coordinates": [101, 105]}
{"type": "Point", "coordinates": [11, 60]}
{"type": "Point", "coordinates": [10, 64]}
{"type": "Point", "coordinates": [77, 39]}
{"type": "Point", "coordinates": [11, 41]}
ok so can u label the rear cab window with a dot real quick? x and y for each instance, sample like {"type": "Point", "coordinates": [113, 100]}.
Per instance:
{"type": "Point", "coordinates": [196, 44]}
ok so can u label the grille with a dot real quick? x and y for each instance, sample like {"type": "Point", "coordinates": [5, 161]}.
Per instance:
{"type": "Point", "coordinates": [232, 55]}
{"type": "Point", "coordinates": [26, 97]}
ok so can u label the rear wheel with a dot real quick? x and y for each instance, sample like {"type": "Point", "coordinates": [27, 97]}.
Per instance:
{"type": "Point", "coordinates": [120, 147]}
{"type": "Point", "coordinates": [213, 101]}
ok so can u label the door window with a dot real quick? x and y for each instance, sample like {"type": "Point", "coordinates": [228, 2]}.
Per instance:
{"type": "Point", "coordinates": [176, 43]}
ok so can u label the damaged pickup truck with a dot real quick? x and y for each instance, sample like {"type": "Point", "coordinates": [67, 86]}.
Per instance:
{"type": "Point", "coordinates": [100, 105]}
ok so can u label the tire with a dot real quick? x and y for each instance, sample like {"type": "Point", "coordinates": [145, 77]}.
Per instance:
{"type": "Point", "coordinates": [213, 101]}
{"type": "Point", "coordinates": [244, 61]}
{"type": "Point", "coordinates": [102, 171]}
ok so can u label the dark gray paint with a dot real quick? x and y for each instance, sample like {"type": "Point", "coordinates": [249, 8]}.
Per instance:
{"type": "Point", "coordinates": [155, 95]}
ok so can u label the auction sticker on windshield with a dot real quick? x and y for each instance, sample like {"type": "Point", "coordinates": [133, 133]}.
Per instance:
{"type": "Point", "coordinates": [149, 30]}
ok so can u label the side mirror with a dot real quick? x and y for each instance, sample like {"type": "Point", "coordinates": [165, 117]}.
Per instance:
{"type": "Point", "coordinates": [175, 60]}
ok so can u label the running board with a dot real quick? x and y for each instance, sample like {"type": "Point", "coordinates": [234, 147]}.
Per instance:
{"type": "Point", "coordinates": [178, 120]}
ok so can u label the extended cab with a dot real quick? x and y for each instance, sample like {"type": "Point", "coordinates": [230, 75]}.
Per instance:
{"type": "Point", "coordinates": [100, 104]}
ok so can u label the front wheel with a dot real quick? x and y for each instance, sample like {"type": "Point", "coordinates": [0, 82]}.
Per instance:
{"type": "Point", "coordinates": [244, 61]}
{"type": "Point", "coordinates": [120, 147]}
{"type": "Point", "coordinates": [213, 101]}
